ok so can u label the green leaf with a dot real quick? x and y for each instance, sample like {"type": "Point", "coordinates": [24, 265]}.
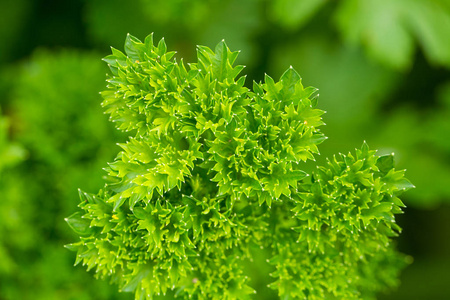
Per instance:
{"type": "Point", "coordinates": [162, 47]}
{"type": "Point", "coordinates": [293, 177]}
{"type": "Point", "coordinates": [148, 42]}
{"type": "Point", "coordinates": [79, 224]}
{"type": "Point", "coordinates": [385, 163]}
{"type": "Point", "coordinates": [290, 79]}
{"type": "Point", "coordinates": [132, 283]}
{"type": "Point", "coordinates": [131, 48]}
{"type": "Point", "coordinates": [271, 89]}
{"type": "Point", "coordinates": [140, 213]}
{"type": "Point", "coordinates": [380, 210]}
{"type": "Point", "coordinates": [220, 61]}
{"type": "Point", "coordinates": [404, 184]}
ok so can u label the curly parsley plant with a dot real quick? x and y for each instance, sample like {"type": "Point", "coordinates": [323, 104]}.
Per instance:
{"type": "Point", "coordinates": [214, 175]}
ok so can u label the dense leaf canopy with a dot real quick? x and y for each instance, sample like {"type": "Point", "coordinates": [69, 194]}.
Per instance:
{"type": "Point", "coordinates": [215, 173]}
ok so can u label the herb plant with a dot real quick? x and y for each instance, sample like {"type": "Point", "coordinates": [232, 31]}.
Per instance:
{"type": "Point", "coordinates": [214, 175]}
{"type": "Point", "coordinates": [53, 114]}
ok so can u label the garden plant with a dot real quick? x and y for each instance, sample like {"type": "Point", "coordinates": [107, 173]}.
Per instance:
{"type": "Point", "coordinates": [216, 193]}
{"type": "Point", "coordinates": [63, 138]}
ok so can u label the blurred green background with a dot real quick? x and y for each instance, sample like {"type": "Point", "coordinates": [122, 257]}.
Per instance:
{"type": "Point", "coordinates": [382, 67]}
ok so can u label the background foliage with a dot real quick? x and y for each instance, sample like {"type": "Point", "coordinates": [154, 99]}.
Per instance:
{"type": "Point", "coordinates": [382, 67]}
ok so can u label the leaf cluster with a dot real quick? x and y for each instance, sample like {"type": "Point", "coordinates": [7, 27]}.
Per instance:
{"type": "Point", "coordinates": [50, 141]}
{"type": "Point", "coordinates": [216, 170]}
